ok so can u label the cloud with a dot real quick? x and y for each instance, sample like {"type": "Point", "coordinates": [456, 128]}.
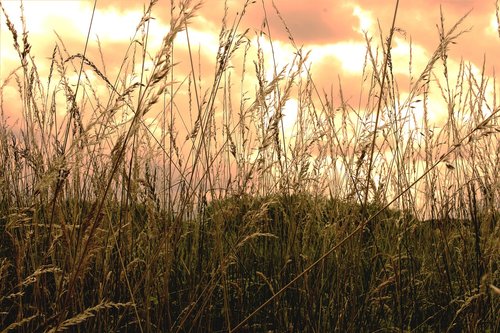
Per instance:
{"type": "Point", "coordinates": [420, 20]}
{"type": "Point", "coordinates": [332, 30]}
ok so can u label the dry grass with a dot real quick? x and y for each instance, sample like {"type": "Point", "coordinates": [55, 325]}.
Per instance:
{"type": "Point", "coordinates": [211, 218]}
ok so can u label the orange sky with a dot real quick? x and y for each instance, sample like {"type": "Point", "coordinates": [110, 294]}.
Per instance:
{"type": "Point", "coordinates": [332, 30]}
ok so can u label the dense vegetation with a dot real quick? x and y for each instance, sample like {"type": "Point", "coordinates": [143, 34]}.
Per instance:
{"type": "Point", "coordinates": [365, 219]}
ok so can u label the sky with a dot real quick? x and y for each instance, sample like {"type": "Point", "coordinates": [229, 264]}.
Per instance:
{"type": "Point", "coordinates": [333, 31]}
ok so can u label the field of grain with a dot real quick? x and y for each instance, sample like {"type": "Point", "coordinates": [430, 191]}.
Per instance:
{"type": "Point", "coordinates": [158, 204]}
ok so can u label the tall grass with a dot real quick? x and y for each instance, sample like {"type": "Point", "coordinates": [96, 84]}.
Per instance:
{"type": "Point", "coordinates": [144, 200]}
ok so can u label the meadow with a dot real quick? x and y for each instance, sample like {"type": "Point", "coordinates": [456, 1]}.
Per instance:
{"type": "Point", "coordinates": [143, 201]}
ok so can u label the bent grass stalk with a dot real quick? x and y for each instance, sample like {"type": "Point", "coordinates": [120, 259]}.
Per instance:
{"type": "Point", "coordinates": [366, 223]}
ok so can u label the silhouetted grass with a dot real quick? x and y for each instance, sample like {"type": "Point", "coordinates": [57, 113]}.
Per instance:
{"type": "Point", "coordinates": [366, 218]}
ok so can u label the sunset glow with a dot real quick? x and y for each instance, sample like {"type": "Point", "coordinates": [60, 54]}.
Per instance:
{"type": "Point", "coordinates": [335, 37]}
{"type": "Point", "coordinates": [249, 165]}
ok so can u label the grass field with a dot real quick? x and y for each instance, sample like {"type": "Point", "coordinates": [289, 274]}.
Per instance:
{"type": "Point", "coordinates": [137, 202]}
